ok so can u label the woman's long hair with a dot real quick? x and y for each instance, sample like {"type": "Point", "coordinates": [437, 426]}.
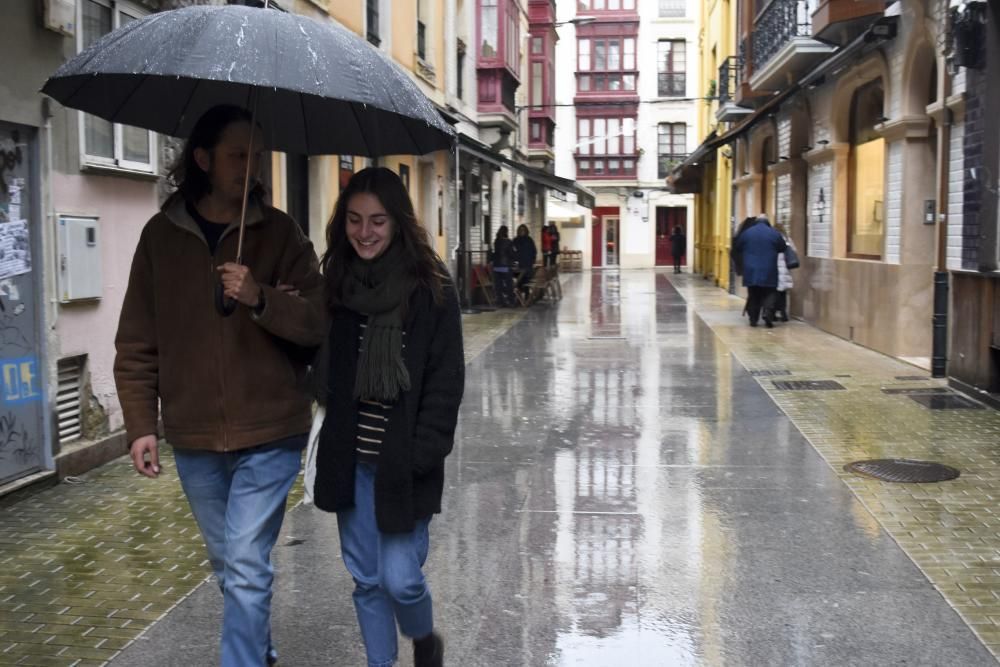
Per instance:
{"type": "Point", "coordinates": [191, 181]}
{"type": "Point", "coordinates": [420, 260]}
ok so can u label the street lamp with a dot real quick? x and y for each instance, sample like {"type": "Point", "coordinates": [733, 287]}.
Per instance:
{"type": "Point", "coordinates": [580, 20]}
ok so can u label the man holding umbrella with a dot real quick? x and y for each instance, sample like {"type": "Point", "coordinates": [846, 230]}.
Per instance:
{"type": "Point", "coordinates": [228, 388]}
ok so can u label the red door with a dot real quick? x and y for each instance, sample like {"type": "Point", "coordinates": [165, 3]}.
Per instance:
{"type": "Point", "coordinates": [663, 257]}
{"type": "Point", "coordinates": [668, 217]}
{"type": "Point", "coordinates": [597, 235]}
{"type": "Point", "coordinates": [596, 242]}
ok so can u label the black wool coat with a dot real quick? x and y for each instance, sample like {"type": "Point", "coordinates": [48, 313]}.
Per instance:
{"type": "Point", "coordinates": [409, 479]}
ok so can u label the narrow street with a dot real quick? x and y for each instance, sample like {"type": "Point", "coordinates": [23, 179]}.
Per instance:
{"type": "Point", "coordinates": [623, 491]}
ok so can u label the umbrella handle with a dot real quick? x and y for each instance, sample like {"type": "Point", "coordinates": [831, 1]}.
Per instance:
{"type": "Point", "coordinates": [224, 305]}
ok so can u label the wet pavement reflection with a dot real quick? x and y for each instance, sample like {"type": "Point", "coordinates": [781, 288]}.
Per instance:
{"type": "Point", "coordinates": [622, 492]}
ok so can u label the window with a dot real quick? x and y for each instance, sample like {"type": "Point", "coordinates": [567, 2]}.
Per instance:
{"type": "Point", "coordinates": [373, 25]}
{"type": "Point", "coordinates": [671, 146]}
{"type": "Point", "coordinates": [606, 64]}
{"type": "Point", "coordinates": [866, 208]}
{"type": "Point", "coordinates": [460, 70]}
{"type": "Point", "coordinates": [489, 26]}
{"type": "Point", "coordinates": [404, 175]}
{"type": "Point", "coordinates": [605, 5]}
{"type": "Point", "coordinates": [103, 142]}
{"type": "Point", "coordinates": [537, 44]}
{"type": "Point", "coordinates": [537, 83]}
{"type": "Point", "coordinates": [606, 147]}
{"type": "Point", "coordinates": [511, 37]}
{"type": "Point", "coordinates": [672, 8]}
{"type": "Point", "coordinates": [671, 60]}
{"type": "Point", "coordinates": [422, 20]}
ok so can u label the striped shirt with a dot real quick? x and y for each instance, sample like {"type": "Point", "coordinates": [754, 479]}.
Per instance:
{"type": "Point", "coordinates": [373, 418]}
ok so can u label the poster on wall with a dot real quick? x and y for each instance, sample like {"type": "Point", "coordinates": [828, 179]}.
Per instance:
{"type": "Point", "coordinates": [15, 250]}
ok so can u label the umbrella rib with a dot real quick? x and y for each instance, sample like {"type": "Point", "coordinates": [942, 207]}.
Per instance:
{"type": "Point", "coordinates": [184, 107]}
{"type": "Point", "coordinates": [305, 123]}
{"type": "Point", "coordinates": [361, 128]}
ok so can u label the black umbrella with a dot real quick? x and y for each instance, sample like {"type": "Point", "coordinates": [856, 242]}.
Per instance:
{"type": "Point", "coordinates": [320, 89]}
{"type": "Point", "coordinates": [314, 88]}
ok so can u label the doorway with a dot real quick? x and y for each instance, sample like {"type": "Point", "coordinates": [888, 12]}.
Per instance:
{"type": "Point", "coordinates": [668, 217]}
{"type": "Point", "coordinates": [612, 242]}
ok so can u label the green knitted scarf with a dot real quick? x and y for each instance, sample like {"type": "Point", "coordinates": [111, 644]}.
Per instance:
{"type": "Point", "coordinates": [379, 288]}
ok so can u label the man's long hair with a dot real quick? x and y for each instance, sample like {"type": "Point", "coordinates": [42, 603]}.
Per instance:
{"type": "Point", "coordinates": [420, 260]}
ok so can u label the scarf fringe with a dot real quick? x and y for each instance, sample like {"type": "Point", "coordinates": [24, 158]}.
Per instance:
{"type": "Point", "coordinates": [381, 374]}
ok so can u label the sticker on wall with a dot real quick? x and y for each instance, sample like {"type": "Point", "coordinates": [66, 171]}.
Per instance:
{"type": "Point", "coordinates": [20, 380]}
{"type": "Point", "coordinates": [15, 249]}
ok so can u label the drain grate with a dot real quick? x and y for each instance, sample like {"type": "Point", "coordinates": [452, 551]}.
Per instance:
{"type": "Point", "coordinates": [807, 385]}
{"type": "Point", "coordinates": [762, 373]}
{"type": "Point", "coordinates": [946, 402]}
{"type": "Point", "coordinates": [912, 378]}
{"type": "Point", "coordinates": [903, 471]}
{"type": "Point", "coordinates": [916, 391]}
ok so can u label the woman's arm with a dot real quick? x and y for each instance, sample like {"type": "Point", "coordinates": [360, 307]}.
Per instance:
{"type": "Point", "coordinates": [443, 385]}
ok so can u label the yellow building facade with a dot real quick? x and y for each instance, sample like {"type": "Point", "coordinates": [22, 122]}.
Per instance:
{"type": "Point", "coordinates": [714, 173]}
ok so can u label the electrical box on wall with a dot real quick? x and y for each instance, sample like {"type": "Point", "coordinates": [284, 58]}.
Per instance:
{"type": "Point", "coordinates": [79, 259]}
{"type": "Point", "coordinates": [60, 16]}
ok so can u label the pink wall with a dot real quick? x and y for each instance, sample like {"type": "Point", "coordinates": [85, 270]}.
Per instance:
{"type": "Point", "coordinates": [123, 206]}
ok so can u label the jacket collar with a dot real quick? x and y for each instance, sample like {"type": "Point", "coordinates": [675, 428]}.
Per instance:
{"type": "Point", "coordinates": [176, 212]}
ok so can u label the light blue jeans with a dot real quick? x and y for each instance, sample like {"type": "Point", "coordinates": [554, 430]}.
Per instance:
{"type": "Point", "coordinates": [238, 499]}
{"type": "Point", "coordinates": [389, 585]}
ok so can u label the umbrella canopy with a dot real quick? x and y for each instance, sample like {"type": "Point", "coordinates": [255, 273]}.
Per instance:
{"type": "Point", "coordinates": [319, 88]}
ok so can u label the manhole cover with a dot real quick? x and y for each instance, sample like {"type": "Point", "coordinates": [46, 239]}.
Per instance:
{"type": "Point", "coordinates": [916, 391]}
{"type": "Point", "coordinates": [807, 385]}
{"type": "Point", "coordinates": [946, 402]}
{"type": "Point", "coordinates": [903, 471]}
{"type": "Point", "coordinates": [761, 374]}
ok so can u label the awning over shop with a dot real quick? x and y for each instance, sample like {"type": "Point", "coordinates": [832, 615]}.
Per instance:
{"type": "Point", "coordinates": [480, 150]}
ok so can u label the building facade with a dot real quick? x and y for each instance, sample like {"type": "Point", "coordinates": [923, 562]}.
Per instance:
{"type": "Point", "coordinates": [76, 191]}
{"type": "Point", "coordinates": [621, 125]}
{"type": "Point", "coordinates": [845, 123]}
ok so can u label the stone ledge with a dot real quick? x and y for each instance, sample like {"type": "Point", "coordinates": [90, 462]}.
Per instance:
{"type": "Point", "coordinates": [79, 457]}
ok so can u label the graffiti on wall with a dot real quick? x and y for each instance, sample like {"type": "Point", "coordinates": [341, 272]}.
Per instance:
{"type": "Point", "coordinates": [15, 442]}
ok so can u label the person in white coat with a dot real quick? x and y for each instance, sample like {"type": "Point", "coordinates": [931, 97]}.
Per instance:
{"type": "Point", "coordinates": [785, 280]}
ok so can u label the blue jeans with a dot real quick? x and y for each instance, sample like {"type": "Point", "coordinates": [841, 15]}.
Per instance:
{"type": "Point", "coordinates": [389, 586]}
{"type": "Point", "coordinates": [238, 499]}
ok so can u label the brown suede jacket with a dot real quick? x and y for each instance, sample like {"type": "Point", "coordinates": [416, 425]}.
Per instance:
{"type": "Point", "coordinates": [223, 383]}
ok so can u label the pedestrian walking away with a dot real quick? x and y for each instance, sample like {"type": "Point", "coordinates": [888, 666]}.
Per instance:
{"type": "Point", "coordinates": [785, 280]}
{"type": "Point", "coordinates": [550, 243]}
{"type": "Point", "coordinates": [756, 252]}
{"type": "Point", "coordinates": [392, 389]}
{"type": "Point", "coordinates": [678, 246]}
{"type": "Point", "coordinates": [231, 407]}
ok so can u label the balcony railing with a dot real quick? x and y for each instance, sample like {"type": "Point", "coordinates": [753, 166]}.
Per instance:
{"type": "Point", "coordinates": [729, 79]}
{"type": "Point", "coordinates": [779, 23]}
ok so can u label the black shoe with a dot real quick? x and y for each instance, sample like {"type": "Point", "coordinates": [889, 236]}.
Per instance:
{"type": "Point", "coordinates": [428, 651]}
{"type": "Point", "coordinates": [768, 323]}
{"type": "Point", "coordinates": [753, 323]}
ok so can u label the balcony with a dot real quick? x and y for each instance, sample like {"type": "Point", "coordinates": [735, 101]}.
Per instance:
{"type": "Point", "coordinates": [729, 83]}
{"type": "Point", "coordinates": [606, 167]}
{"type": "Point", "coordinates": [844, 18]}
{"type": "Point", "coordinates": [783, 45]}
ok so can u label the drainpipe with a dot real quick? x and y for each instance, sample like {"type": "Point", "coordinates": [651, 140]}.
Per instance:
{"type": "Point", "coordinates": [939, 349]}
